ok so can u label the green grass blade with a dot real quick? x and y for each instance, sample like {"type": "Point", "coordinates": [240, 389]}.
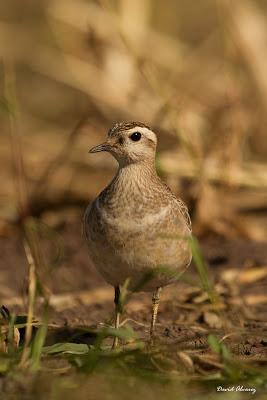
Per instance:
{"type": "Point", "coordinates": [202, 269]}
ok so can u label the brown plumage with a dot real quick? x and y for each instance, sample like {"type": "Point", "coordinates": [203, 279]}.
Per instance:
{"type": "Point", "coordinates": [136, 228]}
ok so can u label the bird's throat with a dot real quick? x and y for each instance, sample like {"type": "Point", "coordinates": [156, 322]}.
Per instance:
{"type": "Point", "coordinates": [131, 184]}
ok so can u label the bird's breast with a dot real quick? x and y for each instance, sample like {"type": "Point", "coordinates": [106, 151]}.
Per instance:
{"type": "Point", "coordinates": [138, 219]}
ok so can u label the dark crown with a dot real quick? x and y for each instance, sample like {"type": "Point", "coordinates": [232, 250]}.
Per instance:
{"type": "Point", "coordinates": [124, 126]}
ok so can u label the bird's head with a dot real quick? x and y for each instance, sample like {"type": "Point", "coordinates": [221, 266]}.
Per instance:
{"type": "Point", "coordinates": [129, 142]}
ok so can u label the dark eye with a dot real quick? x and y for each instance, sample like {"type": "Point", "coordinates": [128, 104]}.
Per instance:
{"type": "Point", "coordinates": [135, 136]}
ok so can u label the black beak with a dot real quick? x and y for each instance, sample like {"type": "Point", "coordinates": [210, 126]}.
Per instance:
{"type": "Point", "coordinates": [100, 147]}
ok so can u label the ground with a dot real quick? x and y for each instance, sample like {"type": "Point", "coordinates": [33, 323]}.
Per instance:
{"type": "Point", "coordinates": [80, 299]}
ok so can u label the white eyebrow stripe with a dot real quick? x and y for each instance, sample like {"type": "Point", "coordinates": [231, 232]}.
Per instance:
{"type": "Point", "coordinates": [147, 132]}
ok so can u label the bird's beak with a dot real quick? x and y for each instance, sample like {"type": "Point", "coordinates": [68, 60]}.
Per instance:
{"type": "Point", "coordinates": [101, 147]}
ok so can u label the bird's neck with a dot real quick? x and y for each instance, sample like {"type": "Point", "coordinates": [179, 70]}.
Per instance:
{"type": "Point", "coordinates": [132, 182]}
{"type": "Point", "coordinates": [140, 172]}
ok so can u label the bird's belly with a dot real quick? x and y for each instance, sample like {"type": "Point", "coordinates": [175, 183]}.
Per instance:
{"type": "Point", "coordinates": [148, 258]}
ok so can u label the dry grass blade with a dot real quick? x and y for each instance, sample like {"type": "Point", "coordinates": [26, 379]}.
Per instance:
{"type": "Point", "coordinates": [31, 301]}
{"type": "Point", "coordinates": [253, 176]}
{"type": "Point", "coordinates": [245, 277]}
{"type": "Point", "coordinates": [248, 26]}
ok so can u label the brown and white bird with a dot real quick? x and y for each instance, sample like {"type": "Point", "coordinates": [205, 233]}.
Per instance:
{"type": "Point", "coordinates": [136, 228]}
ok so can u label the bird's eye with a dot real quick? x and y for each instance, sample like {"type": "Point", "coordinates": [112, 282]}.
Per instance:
{"type": "Point", "coordinates": [135, 136]}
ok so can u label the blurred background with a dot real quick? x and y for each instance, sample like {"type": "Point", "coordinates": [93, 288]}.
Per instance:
{"type": "Point", "coordinates": [194, 71]}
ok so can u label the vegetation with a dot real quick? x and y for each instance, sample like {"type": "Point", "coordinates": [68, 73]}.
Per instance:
{"type": "Point", "coordinates": [197, 74]}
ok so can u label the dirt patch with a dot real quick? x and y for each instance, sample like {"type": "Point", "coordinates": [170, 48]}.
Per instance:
{"type": "Point", "coordinates": [80, 297]}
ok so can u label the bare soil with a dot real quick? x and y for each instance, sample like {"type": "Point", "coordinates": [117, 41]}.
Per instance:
{"type": "Point", "coordinates": [80, 297]}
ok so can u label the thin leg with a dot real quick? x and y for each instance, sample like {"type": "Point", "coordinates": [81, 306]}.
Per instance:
{"type": "Point", "coordinates": [155, 307]}
{"type": "Point", "coordinates": [117, 314]}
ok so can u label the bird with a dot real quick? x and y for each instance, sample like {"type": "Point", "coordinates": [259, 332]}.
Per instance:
{"type": "Point", "coordinates": [137, 230]}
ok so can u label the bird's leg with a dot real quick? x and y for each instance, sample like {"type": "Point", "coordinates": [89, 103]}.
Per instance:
{"type": "Point", "coordinates": [155, 307]}
{"type": "Point", "coordinates": [117, 314]}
